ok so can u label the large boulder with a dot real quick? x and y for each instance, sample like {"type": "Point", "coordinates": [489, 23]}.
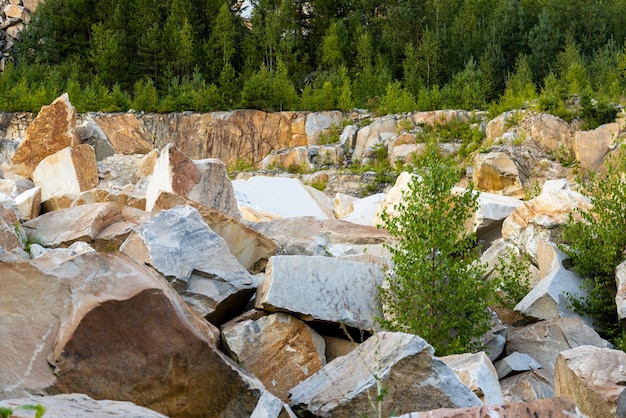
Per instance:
{"type": "Point", "coordinates": [307, 235]}
{"type": "Point", "coordinates": [85, 223]}
{"type": "Point", "coordinates": [591, 147]}
{"type": "Point", "coordinates": [541, 219]}
{"type": "Point", "coordinates": [551, 133]}
{"type": "Point", "coordinates": [402, 364]}
{"type": "Point", "coordinates": [9, 227]}
{"type": "Point", "coordinates": [322, 288]}
{"type": "Point", "coordinates": [593, 377]}
{"type": "Point", "coordinates": [477, 372]}
{"type": "Point", "coordinates": [320, 124]}
{"type": "Point", "coordinates": [278, 349]}
{"type": "Point", "coordinates": [203, 181]}
{"type": "Point", "coordinates": [53, 129]}
{"type": "Point", "coordinates": [106, 326]}
{"type": "Point", "coordinates": [497, 172]}
{"type": "Point", "coordinates": [544, 340]}
{"type": "Point", "coordinates": [550, 298]}
{"type": "Point", "coordinates": [180, 245]}
{"type": "Point", "coordinates": [124, 134]}
{"type": "Point", "coordinates": [251, 248]}
{"type": "Point", "coordinates": [527, 387]}
{"type": "Point", "coordinates": [285, 196]}
{"type": "Point", "coordinates": [69, 171]}
{"type": "Point", "coordinates": [375, 134]}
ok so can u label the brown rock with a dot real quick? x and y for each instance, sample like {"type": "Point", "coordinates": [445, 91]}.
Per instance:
{"type": "Point", "coordinates": [591, 147]}
{"type": "Point", "coordinates": [279, 349]}
{"type": "Point", "coordinates": [553, 408]}
{"type": "Point", "coordinates": [251, 248]}
{"type": "Point", "coordinates": [124, 198]}
{"type": "Point", "coordinates": [69, 171]}
{"type": "Point", "coordinates": [593, 377]}
{"type": "Point", "coordinates": [551, 133]}
{"type": "Point", "coordinates": [113, 329]}
{"type": "Point", "coordinates": [245, 134]}
{"type": "Point", "coordinates": [8, 224]}
{"type": "Point", "coordinates": [53, 129]}
{"type": "Point", "coordinates": [173, 172]}
{"type": "Point", "coordinates": [496, 172]}
{"type": "Point", "coordinates": [125, 134]}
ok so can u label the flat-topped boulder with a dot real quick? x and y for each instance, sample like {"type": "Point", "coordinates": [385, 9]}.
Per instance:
{"type": "Point", "coordinates": [322, 288]}
{"type": "Point", "coordinates": [285, 196]}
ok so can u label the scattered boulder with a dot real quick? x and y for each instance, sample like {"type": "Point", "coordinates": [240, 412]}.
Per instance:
{"type": "Point", "coordinates": [551, 133]}
{"type": "Point", "coordinates": [592, 377]}
{"type": "Point", "coordinates": [251, 248]}
{"type": "Point", "coordinates": [478, 373]}
{"type": "Point", "coordinates": [123, 197]}
{"type": "Point", "coordinates": [76, 405]}
{"type": "Point", "coordinates": [555, 408]}
{"type": "Point", "coordinates": [278, 349]}
{"type": "Point", "coordinates": [402, 364]}
{"type": "Point", "coordinates": [496, 172]}
{"type": "Point", "coordinates": [78, 315]}
{"type": "Point", "coordinates": [285, 196]}
{"type": "Point", "coordinates": [68, 172]}
{"type": "Point", "coordinates": [85, 223]}
{"type": "Point", "coordinates": [375, 134]}
{"type": "Point", "coordinates": [591, 147]}
{"type": "Point", "coordinates": [322, 288]}
{"type": "Point", "coordinates": [541, 219]}
{"type": "Point", "coordinates": [9, 224]}
{"type": "Point", "coordinates": [291, 159]}
{"type": "Point", "coordinates": [319, 125]}
{"type": "Point", "coordinates": [204, 181]}
{"type": "Point", "coordinates": [343, 205]}
{"type": "Point", "coordinates": [364, 211]}
{"type": "Point", "coordinates": [527, 387]}
{"type": "Point", "coordinates": [549, 299]}
{"type": "Point", "coordinates": [127, 172]}
{"type": "Point", "coordinates": [29, 203]}
{"type": "Point", "coordinates": [544, 340]}
{"type": "Point", "coordinates": [179, 244]}
{"type": "Point", "coordinates": [515, 363]}
{"type": "Point", "coordinates": [53, 129]}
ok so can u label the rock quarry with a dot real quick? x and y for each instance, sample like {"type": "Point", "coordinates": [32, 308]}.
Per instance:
{"type": "Point", "coordinates": [183, 265]}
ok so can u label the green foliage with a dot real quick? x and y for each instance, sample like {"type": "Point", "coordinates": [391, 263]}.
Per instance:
{"type": "Point", "coordinates": [435, 288]}
{"type": "Point", "coordinates": [595, 241]}
{"type": "Point", "coordinates": [595, 114]}
{"type": "Point", "coordinates": [8, 412]}
{"type": "Point", "coordinates": [449, 53]}
{"type": "Point", "coordinates": [396, 100]}
{"type": "Point", "coordinates": [511, 277]}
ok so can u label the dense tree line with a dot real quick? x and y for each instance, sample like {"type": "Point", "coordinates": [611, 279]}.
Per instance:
{"type": "Point", "coordinates": [397, 55]}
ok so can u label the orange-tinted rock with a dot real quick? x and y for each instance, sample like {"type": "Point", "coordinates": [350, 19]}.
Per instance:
{"type": "Point", "coordinates": [125, 134]}
{"type": "Point", "coordinates": [53, 129]}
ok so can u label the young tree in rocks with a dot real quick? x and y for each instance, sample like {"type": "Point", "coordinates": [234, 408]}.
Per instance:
{"type": "Point", "coordinates": [435, 287]}
{"type": "Point", "coordinates": [596, 244]}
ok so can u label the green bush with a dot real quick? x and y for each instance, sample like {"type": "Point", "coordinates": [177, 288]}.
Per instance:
{"type": "Point", "coordinates": [435, 287]}
{"type": "Point", "coordinates": [596, 244]}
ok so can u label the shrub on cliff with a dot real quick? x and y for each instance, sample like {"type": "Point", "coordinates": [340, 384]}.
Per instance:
{"type": "Point", "coordinates": [435, 287]}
